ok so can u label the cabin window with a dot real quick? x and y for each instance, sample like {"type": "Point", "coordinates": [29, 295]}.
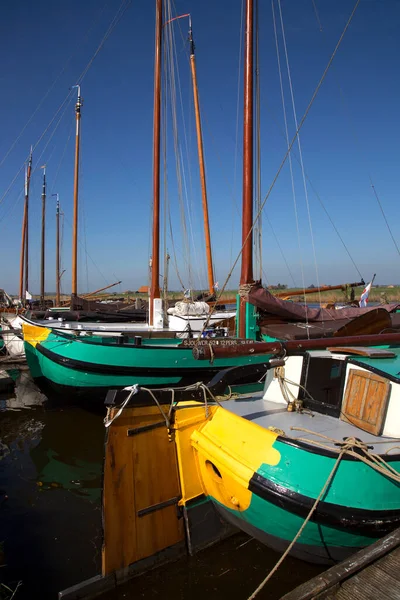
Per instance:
{"type": "Point", "coordinates": [323, 378]}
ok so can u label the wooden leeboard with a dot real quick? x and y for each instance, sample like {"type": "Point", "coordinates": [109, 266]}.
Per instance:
{"type": "Point", "coordinates": [368, 351]}
{"type": "Point", "coordinates": [140, 476]}
{"type": "Point", "coordinates": [365, 401]}
{"type": "Point", "coordinates": [374, 321]}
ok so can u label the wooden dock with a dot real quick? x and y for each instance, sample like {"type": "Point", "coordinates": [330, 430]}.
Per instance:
{"type": "Point", "coordinates": [13, 362]}
{"type": "Point", "coordinates": [371, 574]}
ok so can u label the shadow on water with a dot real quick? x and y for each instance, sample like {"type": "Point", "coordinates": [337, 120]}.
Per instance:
{"type": "Point", "coordinates": [50, 515]}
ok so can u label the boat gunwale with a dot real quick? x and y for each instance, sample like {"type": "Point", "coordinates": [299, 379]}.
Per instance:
{"type": "Point", "coordinates": [331, 453]}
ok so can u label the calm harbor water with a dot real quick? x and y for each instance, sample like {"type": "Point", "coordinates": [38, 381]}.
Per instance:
{"type": "Point", "coordinates": [50, 515]}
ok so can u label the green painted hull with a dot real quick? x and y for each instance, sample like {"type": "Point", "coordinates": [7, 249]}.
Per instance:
{"type": "Point", "coordinates": [360, 505]}
{"type": "Point", "coordinates": [96, 364]}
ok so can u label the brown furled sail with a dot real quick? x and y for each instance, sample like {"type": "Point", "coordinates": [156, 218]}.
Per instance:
{"type": "Point", "coordinates": [291, 311]}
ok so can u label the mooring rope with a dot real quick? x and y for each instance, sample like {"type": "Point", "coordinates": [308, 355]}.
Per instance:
{"type": "Point", "coordinates": [346, 448]}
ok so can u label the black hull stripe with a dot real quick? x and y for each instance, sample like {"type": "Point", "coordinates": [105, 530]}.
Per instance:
{"type": "Point", "coordinates": [104, 369]}
{"type": "Point", "coordinates": [370, 523]}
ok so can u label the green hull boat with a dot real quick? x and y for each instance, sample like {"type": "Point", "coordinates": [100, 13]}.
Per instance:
{"type": "Point", "coordinates": [70, 363]}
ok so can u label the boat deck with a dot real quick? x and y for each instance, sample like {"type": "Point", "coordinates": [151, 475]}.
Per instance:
{"type": "Point", "coordinates": [271, 414]}
{"type": "Point", "coordinates": [371, 574]}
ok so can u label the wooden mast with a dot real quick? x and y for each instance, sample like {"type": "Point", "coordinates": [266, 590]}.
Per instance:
{"type": "Point", "coordinates": [246, 276]}
{"type": "Point", "coordinates": [78, 105]}
{"type": "Point", "coordinates": [24, 236]}
{"type": "Point", "coordinates": [42, 245]}
{"type": "Point", "coordinates": [58, 298]}
{"type": "Point", "coordinates": [210, 270]}
{"type": "Point", "coordinates": [155, 257]}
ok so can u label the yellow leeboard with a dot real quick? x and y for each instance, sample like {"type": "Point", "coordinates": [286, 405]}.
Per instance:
{"type": "Point", "coordinates": [33, 334]}
{"type": "Point", "coordinates": [229, 450]}
{"type": "Point", "coordinates": [185, 422]}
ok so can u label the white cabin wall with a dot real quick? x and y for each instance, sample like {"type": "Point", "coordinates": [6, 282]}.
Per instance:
{"type": "Point", "coordinates": [293, 368]}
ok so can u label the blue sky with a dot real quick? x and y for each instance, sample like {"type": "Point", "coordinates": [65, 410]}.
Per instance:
{"type": "Point", "coordinates": [351, 133]}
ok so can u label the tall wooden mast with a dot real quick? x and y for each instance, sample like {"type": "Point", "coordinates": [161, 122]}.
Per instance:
{"type": "Point", "coordinates": [78, 105]}
{"type": "Point", "coordinates": [246, 276]}
{"type": "Point", "coordinates": [210, 270]}
{"type": "Point", "coordinates": [24, 236]}
{"type": "Point", "coordinates": [58, 299]}
{"type": "Point", "coordinates": [42, 245]}
{"type": "Point", "coordinates": [155, 260]}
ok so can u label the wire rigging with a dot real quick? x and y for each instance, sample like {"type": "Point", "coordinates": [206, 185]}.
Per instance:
{"type": "Point", "coordinates": [286, 135]}
{"type": "Point", "coordinates": [302, 121]}
{"type": "Point", "coordinates": [300, 153]}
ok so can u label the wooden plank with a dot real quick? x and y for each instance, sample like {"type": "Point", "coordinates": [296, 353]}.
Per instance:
{"type": "Point", "coordinates": [368, 586]}
{"type": "Point", "coordinates": [90, 588]}
{"type": "Point", "coordinates": [156, 481]}
{"type": "Point", "coordinates": [363, 351]}
{"type": "Point", "coordinates": [391, 563]}
{"type": "Point", "coordinates": [344, 570]}
{"type": "Point", "coordinates": [365, 401]}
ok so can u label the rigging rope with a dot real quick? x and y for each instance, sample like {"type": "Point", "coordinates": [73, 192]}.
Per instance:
{"type": "Point", "coordinates": [304, 117]}
{"type": "Point", "coordinates": [53, 84]}
{"type": "Point", "coordinates": [286, 134]}
{"type": "Point", "coordinates": [169, 41]}
{"type": "Point", "coordinates": [300, 157]}
{"type": "Point", "coordinates": [351, 446]}
{"type": "Point", "coordinates": [237, 130]}
{"type": "Point", "coordinates": [68, 97]}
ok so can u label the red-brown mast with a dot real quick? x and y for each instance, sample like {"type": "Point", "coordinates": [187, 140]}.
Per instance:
{"type": "Point", "coordinates": [58, 296]}
{"type": "Point", "coordinates": [24, 237]}
{"type": "Point", "coordinates": [210, 270]}
{"type": "Point", "coordinates": [43, 240]}
{"type": "Point", "coordinates": [78, 105]}
{"type": "Point", "coordinates": [247, 236]}
{"type": "Point", "coordinates": [155, 262]}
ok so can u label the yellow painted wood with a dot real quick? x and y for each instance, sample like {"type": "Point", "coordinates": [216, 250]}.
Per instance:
{"type": "Point", "coordinates": [33, 334]}
{"type": "Point", "coordinates": [185, 422]}
{"type": "Point", "coordinates": [229, 450]}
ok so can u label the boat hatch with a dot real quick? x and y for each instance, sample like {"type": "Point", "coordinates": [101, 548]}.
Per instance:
{"type": "Point", "coordinates": [323, 377]}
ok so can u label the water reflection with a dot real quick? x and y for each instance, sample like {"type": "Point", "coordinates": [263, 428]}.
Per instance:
{"type": "Point", "coordinates": [50, 515]}
{"type": "Point", "coordinates": [50, 489]}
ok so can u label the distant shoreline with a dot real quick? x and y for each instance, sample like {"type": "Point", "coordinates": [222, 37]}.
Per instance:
{"type": "Point", "coordinates": [380, 294]}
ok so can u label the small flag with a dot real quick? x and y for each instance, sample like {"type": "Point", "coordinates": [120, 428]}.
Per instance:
{"type": "Point", "coordinates": [28, 296]}
{"type": "Point", "coordinates": [364, 296]}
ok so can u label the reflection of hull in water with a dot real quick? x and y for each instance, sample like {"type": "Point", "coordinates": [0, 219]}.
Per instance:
{"type": "Point", "coordinates": [63, 458]}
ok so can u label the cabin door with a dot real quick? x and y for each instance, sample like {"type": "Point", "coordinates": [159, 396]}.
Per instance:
{"type": "Point", "coordinates": [141, 489]}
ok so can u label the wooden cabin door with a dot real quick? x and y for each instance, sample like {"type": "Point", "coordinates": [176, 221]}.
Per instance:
{"type": "Point", "coordinates": [141, 489]}
{"type": "Point", "coordinates": [365, 401]}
